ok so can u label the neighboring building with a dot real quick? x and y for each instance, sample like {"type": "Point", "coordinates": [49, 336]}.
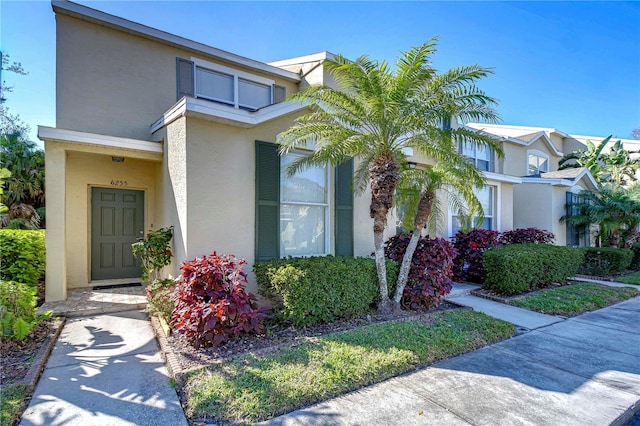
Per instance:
{"type": "Point", "coordinates": [155, 130]}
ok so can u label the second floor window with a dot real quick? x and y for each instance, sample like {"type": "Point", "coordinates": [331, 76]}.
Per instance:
{"type": "Point", "coordinates": [482, 157]}
{"type": "Point", "coordinates": [225, 85]}
{"type": "Point", "coordinates": [537, 162]}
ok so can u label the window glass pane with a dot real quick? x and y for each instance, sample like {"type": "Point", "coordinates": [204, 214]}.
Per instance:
{"type": "Point", "coordinates": [468, 150]}
{"type": "Point", "coordinates": [253, 95]}
{"type": "Point", "coordinates": [482, 153]}
{"type": "Point", "coordinates": [483, 165]}
{"type": "Point", "coordinates": [485, 196]}
{"type": "Point", "coordinates": [309, 185]}
{"type": "Point", "coordinates": [533, 164]}
{"type": "Point", "coordinates": [302, 230]}
{"type": "Point", "coordinates": [214, 85]}
{"type": "Point", "coordinates": [543, 164]}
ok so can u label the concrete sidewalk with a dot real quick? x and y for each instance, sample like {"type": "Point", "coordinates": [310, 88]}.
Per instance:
{"type": "Point", "coordinates": [105, 370]}
{"type": "Point", "coordinates": [581, 371]}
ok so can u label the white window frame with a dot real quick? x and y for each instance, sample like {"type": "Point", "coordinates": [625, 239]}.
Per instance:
{"type": "Point", "coordinates": [236, 74]}
{"type": "Point", "coordinates": [539, 154]}
{"type": "Point", "coordinates": [497, 213]}
{"type": "Point", "coordinates": [327, 212]}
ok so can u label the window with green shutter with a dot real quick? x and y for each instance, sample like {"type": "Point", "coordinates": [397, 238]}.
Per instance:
{"type": "Point", "coordinates": [292, 212]}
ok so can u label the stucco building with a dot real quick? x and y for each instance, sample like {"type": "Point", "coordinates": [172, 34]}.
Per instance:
{"type": "Point", "coordinates": [155, 130]}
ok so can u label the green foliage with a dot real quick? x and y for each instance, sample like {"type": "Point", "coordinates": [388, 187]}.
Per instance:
{"type": "Point", "coordinates": [18, 310]}
{"type": "Point", "coordinates": [22, 256]}
{"type": "Point", "coordinates": [614, 209]}
{"type": "Point", "coordinates": [635, 262]}
{"type": "Point", "coordinates": [375, 110]}
{"type": "Point", "coordinates": [254, 388]}
{"type": "Point", "coordinates": [517, 268]}
{"type": "Point", "coordinates": [321, 289]}
{"type": "Point", "coordinates": [633, 278]}
{"type": "Point", "coordinates": [603, 261]}
{"type": "Point", "coordinates": [154, 251]}
{"type": "Point", "coordinates": [574, 299]}
{"type": "Point", "coordinates": [12, 397]}
{"type": "Point", "coordinates": [4, 174]}
{"type": "Point", "coordinates": [160, 298]}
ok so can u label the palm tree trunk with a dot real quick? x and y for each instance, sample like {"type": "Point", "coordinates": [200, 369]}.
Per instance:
{"type": "Point", "coordinates": [422, 216]}
{"type": "Point", "coordinates": [384, 174]}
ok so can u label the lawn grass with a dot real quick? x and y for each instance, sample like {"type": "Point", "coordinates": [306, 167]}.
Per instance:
{"type": "Point", "coordinates": [11, 398]}
{"type": "Point", "coordinates": [630, 279]}
{"type": "Point", "coordinates": [574, 299]}
{"type": "Point", "coordinates": [253, 388]}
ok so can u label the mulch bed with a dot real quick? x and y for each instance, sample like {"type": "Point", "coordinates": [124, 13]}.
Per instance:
{"type": "Point", "coordinates": [276, 336]}
{"type": "Point", "coordinates": [17, 356]}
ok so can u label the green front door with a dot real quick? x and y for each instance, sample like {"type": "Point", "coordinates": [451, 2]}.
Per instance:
{"type": "Point", "coordinates": [117, 220]}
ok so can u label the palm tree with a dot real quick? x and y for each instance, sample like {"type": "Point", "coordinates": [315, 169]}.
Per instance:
{"type": "Point", "coordinates": [614, 209]}
{"type": "Point", "coordinates": [615, 166]}
{"type": "Point", "coordinates": [620, 166]}
{"type": "Point", "coordinates": [591, 158]}
{"type": "Point", "coordinates": [375, 112]}
{"type": "Point", "coordinates": [23, 190]}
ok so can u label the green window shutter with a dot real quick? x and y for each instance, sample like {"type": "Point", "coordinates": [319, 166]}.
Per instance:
{"type": "Point", "coordinates": [344, 209]}
{"type": "Point", "coordinates": [267, 201]}
{"type": "Point", "coordinates": [184, 77]}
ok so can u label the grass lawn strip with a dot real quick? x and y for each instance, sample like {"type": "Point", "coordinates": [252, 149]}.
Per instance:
{"type": "Point", "coordinates": [253, 388]}
{"type": "Point", "coordinates": [630, 279]}
{"type": "Point", "coordinates": [574, 299]}
{"type": "Point", "coordinates": [11, 397]}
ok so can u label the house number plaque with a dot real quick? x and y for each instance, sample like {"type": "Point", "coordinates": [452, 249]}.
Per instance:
{"type": "Point", "coordinates": [118, 182]}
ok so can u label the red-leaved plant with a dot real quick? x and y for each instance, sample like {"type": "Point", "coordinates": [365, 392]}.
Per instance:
{"type": "Point", "coordinates": [431, 270]}
{"type": "Point", "coordinates": [470, 246]}
{"type": "Point", "coordinates": [527, 236]}
{"type": "Point", "coordinates": [212, 304]}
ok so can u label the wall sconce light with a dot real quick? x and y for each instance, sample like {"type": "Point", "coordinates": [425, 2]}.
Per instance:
{"type": "Point", "coordinates": [411, 164]}
{"type": "Point", "coordinates": [117, 159]}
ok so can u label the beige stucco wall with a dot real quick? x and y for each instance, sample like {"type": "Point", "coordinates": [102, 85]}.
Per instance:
{"type": "Point", "coordinates": [515, 162]}
{"type": "Point", "coordinates": [114, 83]}
{"type": "Point", "coordinates": [209, 170]}
{"type": "Point", "coordinates": [533, 204]}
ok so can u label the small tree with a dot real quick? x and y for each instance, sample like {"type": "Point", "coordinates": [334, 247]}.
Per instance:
{"type": "Point", "coordinates": [154, 252]}
{"type": "Point", "coordinates": [378, 110]}
{"type": "Point", "coordinates": [615, 210]}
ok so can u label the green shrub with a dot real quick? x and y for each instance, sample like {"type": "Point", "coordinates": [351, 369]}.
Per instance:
{"type": "Point", "coordinates": [602, 261]}
{"type": "Point", "coordinates": [635, 262]}
{"type": "Point", "coordinates": [517, 268]}
{"type": "Point", "coordinates": [160, 298]}
{"type": "Point", "coordinates": [18, 310]}
{"type": "Point", "coordinates": [321, 289]}
{"type": "Point", "coordinates": [22, 256]}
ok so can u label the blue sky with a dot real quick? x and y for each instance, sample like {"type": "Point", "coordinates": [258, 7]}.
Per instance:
{"type": "Point", "coordinates": [570, 65]}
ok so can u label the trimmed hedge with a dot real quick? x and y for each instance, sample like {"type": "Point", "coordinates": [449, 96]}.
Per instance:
{"type": "Point", "coordinates": [321, 289]}
{"type": "Point", "coordinates": [517, 268]}
{"type": "Point", "coordinates": [603, 261]}
{"type": "Point", "coordinates": [22, 256]}
{"type": "Point", "coordinates": [635, 263]}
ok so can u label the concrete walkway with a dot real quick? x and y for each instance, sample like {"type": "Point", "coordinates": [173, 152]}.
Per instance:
{"type": "Point", "coordinates": [581, 371]}
{"type": "Point", "coordinates": [105, 370]}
